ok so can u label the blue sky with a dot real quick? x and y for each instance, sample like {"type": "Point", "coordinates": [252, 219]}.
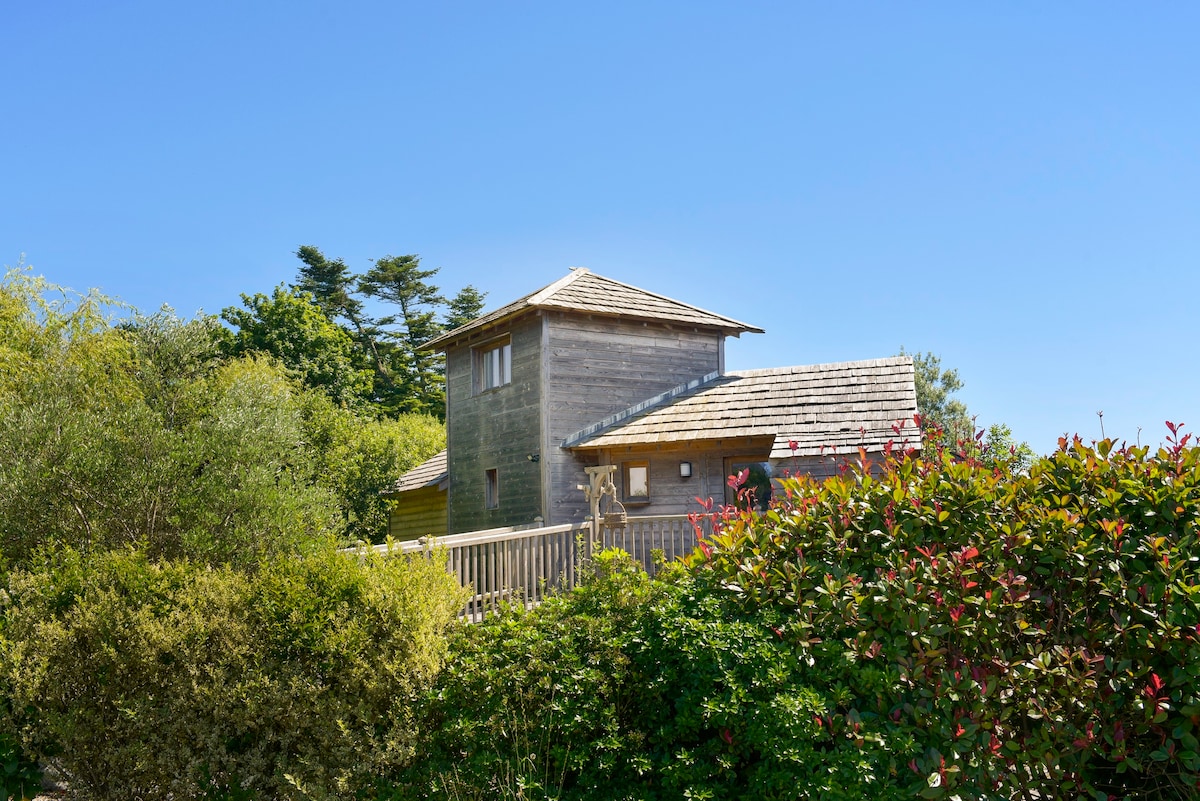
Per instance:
{"type": "Point", "coordinates": [1015, 187]}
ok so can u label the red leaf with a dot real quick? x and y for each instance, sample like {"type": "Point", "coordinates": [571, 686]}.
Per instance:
{"type": "Point", "coordinates": [727, 736]}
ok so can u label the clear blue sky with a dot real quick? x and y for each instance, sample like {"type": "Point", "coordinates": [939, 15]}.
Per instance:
{"type": "Point", "coordinates": [1014, 186]}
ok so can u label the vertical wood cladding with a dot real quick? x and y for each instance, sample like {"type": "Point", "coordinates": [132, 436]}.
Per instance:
{"type": "Point", "coordinates": [421, 513]}
{"type": "Point", "coordinates": [597, 366]}
{"type": "Point", "coordinates": [496, 429]}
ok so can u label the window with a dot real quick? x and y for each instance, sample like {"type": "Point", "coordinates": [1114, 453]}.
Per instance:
{"type": "Point", "coordinates": [637, 482]}
{"type": "Point", "coordinates": [493, 365]}
{"type": "Point", "coordinates": [491, 489]}
{"type": "Point", "coordinates": [757, 479]}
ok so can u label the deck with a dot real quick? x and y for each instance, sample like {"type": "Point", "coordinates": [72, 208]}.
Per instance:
{"type": "Point", "coordinates": [524, 564]}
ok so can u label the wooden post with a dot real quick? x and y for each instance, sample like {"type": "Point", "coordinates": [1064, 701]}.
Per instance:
{"type": "Point", "coordinates": [600, 483]}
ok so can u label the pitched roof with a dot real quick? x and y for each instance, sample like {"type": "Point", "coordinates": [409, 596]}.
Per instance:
{"type": "Point", "coordinates": [845, 405]}
{"type": "Point", "coordinates": [427, 474]}
{"type": "Point", "coordinates": [584, 291]}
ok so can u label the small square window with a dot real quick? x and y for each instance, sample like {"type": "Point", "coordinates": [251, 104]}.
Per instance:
{"type": "Point", "coordinates": [637, 482]}
{"type": "Point", "coordinates": [493, 366]}
{"type": "Point", "coordinates": [491, 489]}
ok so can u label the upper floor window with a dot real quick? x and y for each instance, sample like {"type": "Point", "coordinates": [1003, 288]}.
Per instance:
{"type": "Point", "coordinates": [493, 365]}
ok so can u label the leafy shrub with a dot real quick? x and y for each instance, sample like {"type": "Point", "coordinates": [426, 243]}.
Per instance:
{"type": "Point", "coordinates": [143, 436]}
{"type": "Point", "coordinates": [153, 680]}
{"type": "Point", "coordinates": [20, 776]}
{"type": "Point", "coordinates": [1027, 632]}
{"type": "Point", "coordinates": [635, 688]}
{"type": "Point", "coordinates": [358, 458]}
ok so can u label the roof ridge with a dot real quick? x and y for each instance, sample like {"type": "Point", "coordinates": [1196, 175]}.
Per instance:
{"type": "Point", "coordinates": [637, 408]}
{"type": "Point", "coordinates": [545, 292]}
{"type": "Point", "coordinates": [883, 362]}
{"type": "Point", "coordinates": [544, 298]}
{"type": "Point", "coordinates": [748, 328]}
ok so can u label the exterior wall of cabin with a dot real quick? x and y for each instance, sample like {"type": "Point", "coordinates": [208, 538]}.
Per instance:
{"type": "Point", "coordinates": [822, 467]}
{"type": "Point", "coordinates": [497, 429]}
{"type": "Point", "coordinates": [597, 366]}
{"type": "Point", "coordinates": [671, 494]}
{"type": "Point", "coordinates": [418, 513]}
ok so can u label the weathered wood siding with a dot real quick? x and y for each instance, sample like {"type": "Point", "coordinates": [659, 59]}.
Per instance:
{"type": "Point", "coordinates": [418, 513]}
{"type": "Point", "coordinates": [597, 366]}
{"type": "Point", "coordinates": [497, 429]}
{"type": "Point", "coordinates": [821, 467]}
{"type": "Point", "coordinates": [672, 495]}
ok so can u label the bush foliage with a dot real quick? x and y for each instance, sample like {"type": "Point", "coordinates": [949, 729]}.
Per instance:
{"type": "Point", "coordinates": [921, 627]}
{"type": "Point", "coordinates": [169, 679]}
{"type": "Point", "coordinates": [147, 435]}
{"type": "Point", "coordinates": [633, 688]}
{"type": "Point", "coordinates": [1036, 630]}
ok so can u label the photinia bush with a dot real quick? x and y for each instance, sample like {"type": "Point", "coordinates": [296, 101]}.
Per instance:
{"type": "Point", "coordinates": [1027, 632]}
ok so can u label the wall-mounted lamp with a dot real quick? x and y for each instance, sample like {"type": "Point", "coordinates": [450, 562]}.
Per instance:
{"type": "Point", "coordinates": [533, 457]}
{"type": "Point", "coordinates": [685, 469]}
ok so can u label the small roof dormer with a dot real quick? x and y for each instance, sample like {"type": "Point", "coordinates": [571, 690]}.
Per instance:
{"type": "Point", "coordinates": [588, 293]}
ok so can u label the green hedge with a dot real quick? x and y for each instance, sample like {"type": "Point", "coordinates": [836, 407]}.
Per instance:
{"type": "Point", "coordinates": [633, 688]}
{"type": "Point", "coordinates": [1037, 630]}
{"type": "Point", "coordinates": [155, 680]}
{"type": "Point", "coordinates": [921, 627]}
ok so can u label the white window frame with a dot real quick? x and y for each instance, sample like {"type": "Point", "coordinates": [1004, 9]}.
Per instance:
{"type": "Point", "coordinates": [492, 364]}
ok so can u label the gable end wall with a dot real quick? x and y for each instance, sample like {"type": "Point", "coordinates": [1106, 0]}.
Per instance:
{"type": "Point", "coordinates": [597, 366]}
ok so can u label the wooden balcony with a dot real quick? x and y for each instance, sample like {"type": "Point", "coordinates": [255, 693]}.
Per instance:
{"type": "Point", "coordinates": [524, 564]}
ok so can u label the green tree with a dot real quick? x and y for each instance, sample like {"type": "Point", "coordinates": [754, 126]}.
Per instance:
{"type": "Point", "coordinates": [464, 307]}
{"type": "Point", "coordinates": [946, 416]}
{"type": "Point", "coordinates": [139, 436]}
{"type": "Point", "coordinates": [291, 327]}
{"type": "Point", "coordinates": [935, 401]}
{"type": "Point", "coordinates": [419, 382]}
{"type": "Point", "coordinates": [330, 282]}
{"type": "Point", "coordinates": [333, 286]}
{"type": "Point", "coordinates": [359, 458]}
{"type": "Point", "coordinates": [406, 379]}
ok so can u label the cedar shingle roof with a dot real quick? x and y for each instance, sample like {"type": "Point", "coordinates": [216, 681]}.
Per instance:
{"type": "Point", "coordinates": [845, 405]}
{"type": "Point", "coordinates": [584, 291]}
{"type": "Point", "coordinates": [427, 474]}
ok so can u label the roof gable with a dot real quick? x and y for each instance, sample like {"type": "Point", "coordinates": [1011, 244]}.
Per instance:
{"type": "Point", "coordinates": [583, 291]}
{"type": "Point", "coordinates": [818, 407]}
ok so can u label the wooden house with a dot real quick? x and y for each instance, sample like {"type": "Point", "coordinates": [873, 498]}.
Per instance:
{"type": "Point", "coordinates": [591, 371]}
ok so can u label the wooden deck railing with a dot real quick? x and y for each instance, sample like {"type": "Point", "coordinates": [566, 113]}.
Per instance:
{"type": "Point", "coordinates": [526, 563]}
{"type": "Point", "coordinates": [640, 537]}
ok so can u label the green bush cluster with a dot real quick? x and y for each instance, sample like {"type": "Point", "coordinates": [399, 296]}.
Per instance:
{"type": "Point", "coordinates": [149, 435]}
{"type": "Point", "coordinates": [1035, 631]}
{"type": "Point", "coordinates": [634, 688]}
{"type": "Point", "coordinates": [177, 680]}
{"type": "Point", "coordinates": [921, 627]}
